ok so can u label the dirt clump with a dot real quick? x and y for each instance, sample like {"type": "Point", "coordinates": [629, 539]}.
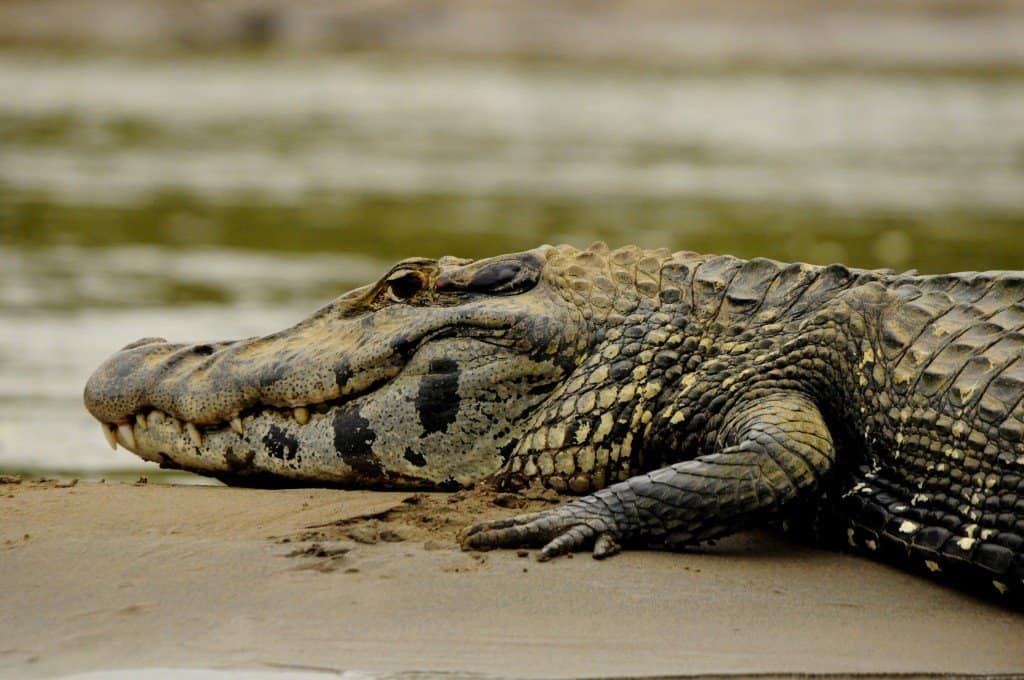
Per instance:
{"type": "Point", "coordinates": [434, 520]}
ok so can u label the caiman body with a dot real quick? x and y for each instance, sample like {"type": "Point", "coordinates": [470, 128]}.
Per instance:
{"type": "Point", "coordinates": [682, 396]}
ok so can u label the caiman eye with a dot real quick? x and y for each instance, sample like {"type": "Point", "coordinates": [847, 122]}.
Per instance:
{"type": "Point", "coordinates": [403, 284]}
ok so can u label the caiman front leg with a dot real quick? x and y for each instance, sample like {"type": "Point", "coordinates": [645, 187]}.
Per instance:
{"type": "Point", "coordinates": [773, 450]}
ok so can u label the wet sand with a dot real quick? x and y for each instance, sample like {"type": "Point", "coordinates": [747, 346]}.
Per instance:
{"type": "Point", "coordinates": [121, 576]}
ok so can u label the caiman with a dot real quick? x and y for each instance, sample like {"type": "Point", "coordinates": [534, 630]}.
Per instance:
{"type": "Point", "coordinates": [681, 396]}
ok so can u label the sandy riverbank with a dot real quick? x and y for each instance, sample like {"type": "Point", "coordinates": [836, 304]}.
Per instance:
{"type": "Point", "coordinates": [114, 576]}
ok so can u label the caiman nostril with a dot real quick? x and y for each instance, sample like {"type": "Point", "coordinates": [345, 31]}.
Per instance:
{"type": "Point", "coordinates": [204, 350]}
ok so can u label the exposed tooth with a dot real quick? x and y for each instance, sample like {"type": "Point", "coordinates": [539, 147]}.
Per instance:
{"type": "Point", "coordinates": [175, 422]}
{"type": "Point", "coordinates": [126, 436]}
{"type": "Point", "coordinates": [155, 418]}
{"type": "Point", "coordinates": [140, 420]}
{"type": "Point", "coordinates": [194, 435]}
{"type": "Point", "coordinates": [110, 434]}
{"type": "Point", "coordinates": [236, 425]}
{"type": "Point", "coordinates": [301, 415]}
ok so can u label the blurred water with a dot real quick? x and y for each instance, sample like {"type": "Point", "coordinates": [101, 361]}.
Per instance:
{"type": "Point", "coordinates": [221, 196]}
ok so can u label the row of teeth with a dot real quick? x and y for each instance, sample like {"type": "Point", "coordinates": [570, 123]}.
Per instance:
{"type": "Point", "coordinates": [124, 433]}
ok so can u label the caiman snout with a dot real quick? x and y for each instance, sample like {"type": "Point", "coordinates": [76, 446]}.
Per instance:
{"type": "Point", "coordinates": [151, 379]}
{"type": "Point", "coordinates": [109, 394]}
{"type": "Point", "coordinates": [219, 402]}
{"type": "Point", "coordinates": [154, 374]}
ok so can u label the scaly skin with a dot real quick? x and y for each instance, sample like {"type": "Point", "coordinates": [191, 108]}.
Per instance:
{"type": "Point", "coordinates": [689, 395]}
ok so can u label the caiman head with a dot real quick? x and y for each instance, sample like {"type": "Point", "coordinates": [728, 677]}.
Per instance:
{"type": "Point", "coordinates": [423, 379]}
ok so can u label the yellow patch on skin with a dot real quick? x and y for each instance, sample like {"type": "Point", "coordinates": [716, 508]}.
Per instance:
{"type": "Point", "coordinates": [599, 375]}
{"type": "Point", "coordinates": [640, 373]}
{"type": "Point", "coordinates": [585, 459]}
{"type": "Point", "coordinates": [635, 420]}
{"type": "Point", "coordinates": [627, 393]}
{"type": "Point", "coordinates": [556, 437]}
{"type": "Point", "coordinates": [582, 431]}
{"type": "Point", "coordinates": [965, 543]}
{"type": "Point", "coordinates": [545, 464]}
{"type": "Point", "coordinates": [565, 463]}
{"type": "Point", "coordinates": [627, 444]}
{"type": "Point", "coordinates": [652, 390]}
{"type": "Point", "coordinates": [604, 427]}
{"type": "Point", "coordinates": [610, 352]}
{"type": "Point", "coordinates": [932, 565]}
{"type": "Point", "coordinates": [580, 484]}
{"type": "Point", "coordinates": [1001, 587]}
{"type": "Point", "coordinates": [585, 403]}
{"type": "Point", "coordinates": [657, 337]}
{"type": "Point", "coordinates": [537, 441]}
{"type": "Point", "coordinates": [908, 527]}
{"type": "Point", "coordinates": [677, 418]}
{"type": "Point", "coordinates": [871, 545]}
{"type": "Point", "coordinates": [606, 397]}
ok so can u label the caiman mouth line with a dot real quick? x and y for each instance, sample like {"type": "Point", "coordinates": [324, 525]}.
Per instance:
{"type": "Point", "coordinates": [123, 432]}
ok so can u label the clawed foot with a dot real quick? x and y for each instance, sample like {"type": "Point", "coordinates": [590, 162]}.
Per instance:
{"type": "Point", "coordinates": [568, 528]}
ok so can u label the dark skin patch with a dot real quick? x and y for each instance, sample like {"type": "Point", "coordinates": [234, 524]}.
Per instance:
{"type": "Point", "coordinates": [416, 459]}
{"type": "Point", "coordinates": [280, 444]}
{"type": "Point", "coordinates": [273, 374]}
{"type": "Point", "coordinates": [506, 451]}
{"type": "Point", "coordinates": [236, 462]}
{"type": "Point", "coordinates": [353, 440]}
{"type": "Point", "coordinates": [167, 463]}
{"type": "Point", "coordinates": [437, 401]}
{"type": "Point", "coordinates": [449, 485]}
{"type": "Point", "coordinates": [342, 372]}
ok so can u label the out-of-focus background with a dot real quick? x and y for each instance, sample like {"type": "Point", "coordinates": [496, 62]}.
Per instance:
{"type": "Point", "coordinates": [202, 170]}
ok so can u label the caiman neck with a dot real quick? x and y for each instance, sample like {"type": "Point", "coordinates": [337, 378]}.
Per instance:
{"type": "Point", "coordinates": [673, 339]}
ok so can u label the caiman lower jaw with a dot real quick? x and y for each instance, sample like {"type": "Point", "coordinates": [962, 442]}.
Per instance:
{"type": "Point", "coordinates": [264, 447]}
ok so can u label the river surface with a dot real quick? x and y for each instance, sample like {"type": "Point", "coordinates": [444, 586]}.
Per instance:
{"type": "Point", "coordinates": [200, 198]}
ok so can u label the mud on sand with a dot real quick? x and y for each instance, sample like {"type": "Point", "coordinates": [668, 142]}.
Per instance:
{"type": "Point", "coordinates": [114, 576]}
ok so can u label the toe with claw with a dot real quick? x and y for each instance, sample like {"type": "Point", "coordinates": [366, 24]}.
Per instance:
{"type": "Point", "coordinates": [581, 524]}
